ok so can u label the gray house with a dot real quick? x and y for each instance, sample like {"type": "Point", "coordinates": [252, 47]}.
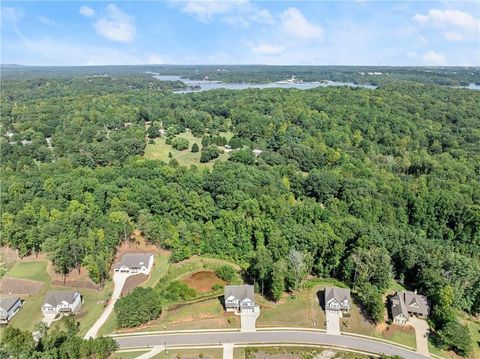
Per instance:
{"type": "Point", "coordinates": [239, 298]}
{"type": "Point", "coordinates": [337, 300]}
{"type": "Point", "coordinates": [61, 302]}
{"type": "Point", "coordinates": [8, 308]}
{"type": "Point", "coordinates": [405, 304]}
{"type": "Point", "coordinates": [135, 263]}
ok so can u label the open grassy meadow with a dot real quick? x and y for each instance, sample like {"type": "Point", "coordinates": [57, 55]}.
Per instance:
{"type": "Point", "coordinates": [160, 150]}
{"type": "Point", "coordinates": [30, 270]}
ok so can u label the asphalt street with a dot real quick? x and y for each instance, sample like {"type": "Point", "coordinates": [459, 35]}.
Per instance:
{"type": "Point", "coordinates": [267, 337]}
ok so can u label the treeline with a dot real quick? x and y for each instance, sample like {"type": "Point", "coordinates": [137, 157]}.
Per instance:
{"type": "Point", "coordinates": [361, 185]}
{"type": "Point", "coordinates": [57, 343]}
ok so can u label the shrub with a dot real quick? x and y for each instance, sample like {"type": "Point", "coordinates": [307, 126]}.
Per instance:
{"type": "Point", "coordinates": [195, 148]}
{"type": "Point", "coordinates": [177, 291]}
{"type": "Point", "coordinates": [138, 307]}
{"type": "Point", "coordinates": [217, 286]}
{"type": "Point", "coordinates": [209, 153]}
{"type": "Point", "coordinates": [180, 143]}
{"type": "Point", "coordinates": [225, 272]}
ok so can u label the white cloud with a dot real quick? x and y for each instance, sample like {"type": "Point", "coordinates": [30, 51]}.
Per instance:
{"type": "Point", "coordinates": [206, 10]}
{"type": "Point", "coordinates": [47, 21]}
{"type": "Point", "coordinates": [423, 40]}
{"type": "Point", "coordinates": [267, 49]}
{"type": "Point", "coordinates": [433, 58]}
{"type": "Point", "coordinates": [116, 25]}
{"type": "Point", "coordinates": [446, 18]}
{"type": "Point", "coordinates": [457, 25]}
{"type": "Point", "coordinates": [453, 36]}
{"type": "Point", "coordinates": [295, 25]}
{"type": "Point", "coordinates": [263, 16]}
{"type": "Point", "coordinates": [87, 11]}
{"type": "Point", "coordinates": [155, 59]}
{"type": "Point", "coordinates": [11, 14]}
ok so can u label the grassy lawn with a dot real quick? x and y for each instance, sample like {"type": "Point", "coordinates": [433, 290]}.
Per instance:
{"type": "Point", "coordinates": [301, 310]}
{"type": "Point", "coordinates": [475, 333]}
{"type": "Point", "coordinates": [201, 353]}
{"type": "Point", "coordinates": [93, 305]}
{"type": "Point", "coordinates": [159, 151]}
{"type": "Point", "coordinates": [160, 268]}
{"type": "Point", "coordinates": [30, 270]}
{"type": "Point", "coordinates": [130, 355]}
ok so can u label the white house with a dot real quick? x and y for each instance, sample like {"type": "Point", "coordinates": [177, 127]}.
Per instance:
{"type": "Point", "coordinates": [135, 263]}
{"type": "Point", "coordinates": [61, 302]}
{"type": "Point", "coordinates": [337, 300]}
{"type": "Point", "coordinates": [8, 308]}
{"type": "Point", "coordinates": [239, 298]}
{"type": "Point", "coordinates": [405, 304]}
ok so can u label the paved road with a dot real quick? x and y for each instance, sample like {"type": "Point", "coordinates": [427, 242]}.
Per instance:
{"type": "Point", "coordinates": [267, 337]}
{"type": "Point", "coordinates": [118, 282]}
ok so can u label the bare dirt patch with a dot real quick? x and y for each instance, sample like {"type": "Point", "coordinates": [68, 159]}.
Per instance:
{"type": "Point", "coordinates": [19, 286]}
{"type": "Point", "coordinates": [390, 330]}
{"type": "Point", "coordinates": [133, 282]}
{"type": "Point", "coordinates": [203, 281]}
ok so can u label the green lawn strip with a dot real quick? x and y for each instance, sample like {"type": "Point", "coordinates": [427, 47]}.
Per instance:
{"type": "Point", "coordinates": [30, 270]}
{"type": "Point", "coordinates": [437, 351]}
{"type": "Point", "coordinates": [238, 353]}
{"type": "Point", "coordinates": [475, 333]}
{"type": "Point", "coordinates": [130, 355]}
{"type": "Point", "coordinates": [400, 337]}
{"type": "Point", "coordinates": [161, 265]}
{"type": "Point", "coordinates": [200, 353]}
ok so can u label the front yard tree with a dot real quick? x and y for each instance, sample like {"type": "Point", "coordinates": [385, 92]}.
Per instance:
{"type": "Point", "coordinates": [279, 272]}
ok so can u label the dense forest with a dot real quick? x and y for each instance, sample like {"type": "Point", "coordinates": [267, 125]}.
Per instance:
{"type": "Point", "coordinates": [377, 75]}
{"type": "Point", "coordinates": [357, 184]}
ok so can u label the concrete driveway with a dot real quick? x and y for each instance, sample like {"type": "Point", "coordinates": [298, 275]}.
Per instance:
{"type": "Point", "coordinates": [333, 323]}
{"type": "Point", "coordinates": [421, 333]}
{"type": "Point", "coordinates": [118, 282]}
{"type": "Point", "coordinates": [248, 320]}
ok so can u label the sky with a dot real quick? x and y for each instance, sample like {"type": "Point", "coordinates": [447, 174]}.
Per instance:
{"type": "Point", "coordinates": [438, 33]}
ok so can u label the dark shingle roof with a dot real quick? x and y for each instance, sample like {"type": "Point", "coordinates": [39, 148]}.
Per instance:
{"type": "Point", "coordinates": [7, 303]}
{"type": "Point", "coordinates": [240, 292]}
{"type": "Point", "coordinates": [340, 294]}
{"type": "Point", "coordinates": [134, 260]}
{"type": "Point", "coordinates": [57, 297]}
{"type": "Point", "coordinates": [407, 302]}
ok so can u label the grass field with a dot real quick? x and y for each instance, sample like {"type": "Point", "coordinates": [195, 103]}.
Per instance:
{"type": "Point", "coordinates": [475, 333]}
{"type": "Point", "coordinates": [159, 151]}
{"type": "Point", "coordinates": [130, 355]}
{"type": "Point", "coordinates": [202, 353]}
{"type": "Point", "coordinates": [30, 270]}
{"type": "Point", "coordinates": [294, 352]}
{"type": "Point", "coordinates": [160, 268]}
{"type": "Point", "coordinates": [31, 314]}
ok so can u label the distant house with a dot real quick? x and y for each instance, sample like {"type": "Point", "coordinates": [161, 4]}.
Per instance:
{"type": "Point", "coordinates": [8, 308]}
{"type": "Point", "coordinates": [61, 302]}
{"type": "Point", "coordinates": [405, 304]}
{"type": "Point", "coordinates": [257, 152]}
{"type": "Point", "coordinates": [135, 263]}
{"type": "Point", "coordinates": [239, 298]}
{"type": "Point", "coordinates": [337, 300]}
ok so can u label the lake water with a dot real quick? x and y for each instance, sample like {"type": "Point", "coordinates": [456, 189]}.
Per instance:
{"type": "Point", "coordinates": [206, 85]}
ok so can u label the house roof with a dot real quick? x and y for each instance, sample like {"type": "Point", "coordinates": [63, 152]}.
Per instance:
{"type": "Point", "coordinates": [239, 292]}
{"type": "Point", "coordinates": [134, 260]}
{"type": "Point", "coordinates": [7, 303]}
{"type": "Point", "coordinates": [407, 302]}
{"type": "Point", "coordinates": [339, 294]}
{"type": "Point", "coordinates": [55, 298]}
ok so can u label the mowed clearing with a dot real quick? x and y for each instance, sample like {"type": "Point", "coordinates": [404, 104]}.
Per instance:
{"type": "Point", "coordinates": [160, 150]}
